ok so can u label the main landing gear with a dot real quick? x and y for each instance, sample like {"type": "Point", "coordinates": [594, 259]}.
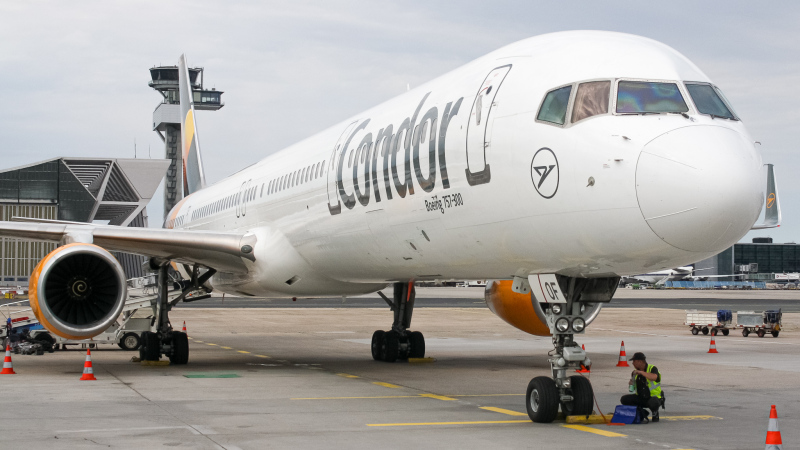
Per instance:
{"type": "Point", "coordinates": [165, 340]}
{"type": "Point", "coordinates": [572, 304]}
{"type": "Point", "coordinates": [399, 342]}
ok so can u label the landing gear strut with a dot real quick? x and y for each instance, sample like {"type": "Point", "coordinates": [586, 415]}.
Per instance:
{"type": "Point", "coordinates": [165, 340]}
{"type": "Point", "coordinates": [572, 304]}
{"type": "Point", "coordinates": [399, 342]}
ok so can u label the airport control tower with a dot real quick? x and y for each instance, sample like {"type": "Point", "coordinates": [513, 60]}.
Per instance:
{"type": "Point", "coordinates": [167, 121]}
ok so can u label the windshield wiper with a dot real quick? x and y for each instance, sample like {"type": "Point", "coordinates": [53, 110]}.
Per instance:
{"type": "Point", "coordinates": [686, 116]}
{"type": "Point", "coordinates": [720, 117]}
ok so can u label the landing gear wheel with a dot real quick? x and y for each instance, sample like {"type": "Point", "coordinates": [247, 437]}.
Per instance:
{"type": "Point", "coordinates": [542, 400]}
{"type": "Point", "coordinates": [726, 332]}
{"type": "Point", "coordinates": [745, 332]}
{"type": "Point", "coordinates": [416, 342]}
{"type": "Point", "coordinates": [377, 344]}
{"type": "Point", "coordinates": [761, 333]}
{"type": "Point", "coordinates": [713, 331]}
{"type": "Point", "coordinates": [705, 331]}
{"type": "Point", "coordinates": [695, 331]}
{"type": "Point", "coordinates": [180, 348]}
{"type": "Point", "coordinates": [151, 347]}
{"type": "Point", "coordinates": [775, 333]}
{"type": "Point", "coordinates": [582, 395]}
{"type": "Point", "coordinates": [130, 341]}
{"type": "Point", "coordinates": [391, 346]}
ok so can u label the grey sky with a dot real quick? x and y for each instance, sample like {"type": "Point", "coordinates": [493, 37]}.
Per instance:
{"type": "Point", "coordinates": [73, 75]}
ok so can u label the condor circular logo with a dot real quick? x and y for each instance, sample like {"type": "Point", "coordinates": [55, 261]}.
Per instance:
{"type": "Point", "coordinates": [544, 172]}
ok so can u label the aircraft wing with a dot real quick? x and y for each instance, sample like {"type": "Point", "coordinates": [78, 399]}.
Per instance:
{"type": "Point", "coordinates": [220, 250]}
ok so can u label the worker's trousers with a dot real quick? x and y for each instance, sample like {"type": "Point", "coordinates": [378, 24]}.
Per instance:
{"type": "Point", "coordinates": [652, 403]}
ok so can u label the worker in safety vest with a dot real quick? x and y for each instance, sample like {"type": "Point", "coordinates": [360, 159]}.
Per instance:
{"type": "Point", "coordinates": [646, 381]}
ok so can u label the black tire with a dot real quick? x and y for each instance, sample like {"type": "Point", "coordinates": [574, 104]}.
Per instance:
{"type": "Point", "coordinates": [705, 331]}
{"type": "Point", "coordinates": [416, 343]}
{"type": "Point", "coordinates": [745, 332]}
{"type": "Point", "coordinates": [713, 331]}
{"type": "Point", "coordinates": [130, 341]}
{"type": "Point", "coordinates": [46, 337]}
{"type": "Point", "coordinates": [377, 345]}
{"type": "Point", "coordinates": [695, 331]}
{"type": "Point", "coordinates": [761, 333]}
{"type": "Point", "coordinates": [180, 348]}
{"type": "Point", "coordinates": [726, 332]}
{"type": "Point", "coordinates": [541, 400]}
{"type": "Point", "coordinates": [775, 333]}
{"type": "Point", "coordinates": [582, 394]}
{"type": "Point", "coordinates": [391, 346]}
{"type": "Point", "coordinates": [151, 346]}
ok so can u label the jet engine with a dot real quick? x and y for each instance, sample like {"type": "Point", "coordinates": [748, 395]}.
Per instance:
{"type": "Point", "coordinates": [516, 309]}
{"type": "Point", "coordinates": [77, 291]}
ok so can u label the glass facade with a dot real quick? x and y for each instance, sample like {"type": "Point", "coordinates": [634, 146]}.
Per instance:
{"type": "Point", "coordinates": [771, 258]}
{"type": "Point", "coordinates": [19, 257]}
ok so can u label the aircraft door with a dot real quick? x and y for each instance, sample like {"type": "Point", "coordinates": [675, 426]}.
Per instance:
{"type": "Point", "coordinates": [334, 205]}
{"type": "Point", "coordinates": [479, 119]}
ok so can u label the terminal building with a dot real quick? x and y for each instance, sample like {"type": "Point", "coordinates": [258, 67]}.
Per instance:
{"type": "Point", "coordinates": [761, 260]}
{"type": "Point", "coordinates": [99, 190]}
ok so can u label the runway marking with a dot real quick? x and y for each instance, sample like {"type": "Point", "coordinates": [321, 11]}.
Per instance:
{"type": "Point", "coordinates": [347, 375]}
{"type": "Point", "coordinates": [242, 351]}
{"type": "Point", "coordinates": [357, 398]}
{"type": "Point", "coordinates": [209, 343]}
{"type": "Point", "coordinates": [594, 430]}
{"type": "Point", "coordinates": [485, 395]}
{"type": "Point", "coordinates": [262, 356]}
{"type": "Point", "coordinates": [199, 342]}
{"type": "Point", "coordinates": [474, 422]}
{"type": "Point", "coordinates": [226, 348]}
{"type": "Point", "coordinates": [503, 411]}
{"type": "Point", "coordinates": [438, 397]}
{"type": "Point", "coordinates": [388, 385]}
{"type": "Point", "coordinates": [675, 418]}
{"type": "Point", "coordinates": [186, 427]}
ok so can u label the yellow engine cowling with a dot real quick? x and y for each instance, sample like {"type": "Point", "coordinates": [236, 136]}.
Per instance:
{"type": "Point", "coordinates": [77, 291]}
{"type": "Point", "coordinates": [516, 309]}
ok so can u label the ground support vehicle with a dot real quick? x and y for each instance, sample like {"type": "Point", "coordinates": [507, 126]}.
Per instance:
{"type": "Point", "coordinates": [759, 323]}
{"type": "Point", "coordinates": [709, 322]}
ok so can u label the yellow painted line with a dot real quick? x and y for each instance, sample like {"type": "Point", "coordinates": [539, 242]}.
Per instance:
{"type": "Point", "coordinates": [209, 343]}
{"type": "Point", "coordinates": [484, 395]}
{"type": "Point", "coordinates": [594, 430]}
{"type": "Point", "coordinates": [503, 411]}
{"type": "Point", "coordinates": [199, 342]}
{"type": "Point", "coordinates": [262, 356]}
{"type": "Point", "coordinates": [691, 418]}
{"type": "Point", "coordinates": [477, 422]}
{"type": "Point", "coordinates": [437, 397]}
{"type": "Point", "coordinates": [388, 385]}
{"type": "Point", "coordinates": [347, 375]}
{"type": "Point", "coordinates": [356, 398]}
{"type": "Point", "coordinates": [226, 348]}
{"type": "Point", "coordinates": [187, 337]}
{"type": "Point", "coordinates": [242, 351]}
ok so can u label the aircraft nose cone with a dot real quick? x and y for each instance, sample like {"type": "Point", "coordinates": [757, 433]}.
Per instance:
{"type": "Point", "coordinates": [699, 187]}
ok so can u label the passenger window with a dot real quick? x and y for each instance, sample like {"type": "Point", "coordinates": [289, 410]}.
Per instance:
{"type": "Point", "coordinates": [709, 100]}
{"type": "Point", "coordinates": [554, 106]}
{"type": "Point", "coordinates": [591, 99]}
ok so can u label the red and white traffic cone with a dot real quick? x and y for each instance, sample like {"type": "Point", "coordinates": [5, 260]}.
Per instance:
{"type": "Point", "coordinates": [184, 326]}
{"type": "Point", "coordinates": [8, 369]}
{"type": "Point", "coordinates": [583, 368]}
{"type": "Point", "coordinates": [88, 371]}
{"type": "Point", "coordinates": [713, 347]}
{"type": "Point", "coordinates": [773, 434]}
{"type": "Point", "coordinates": [623, 358]}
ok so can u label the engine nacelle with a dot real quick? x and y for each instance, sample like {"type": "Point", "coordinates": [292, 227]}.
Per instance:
{"type": "Point", "coordinates": [516, 309]}
{"type": "Point", "coordinates": [78, 291]}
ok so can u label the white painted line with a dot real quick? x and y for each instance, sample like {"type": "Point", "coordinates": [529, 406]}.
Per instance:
{"type": "Point", "coordinates": [192, 430]}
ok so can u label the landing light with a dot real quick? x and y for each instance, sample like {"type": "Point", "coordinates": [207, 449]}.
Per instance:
{"type": "Point", "coordinates": [556, 308]}
{"type": "Point", "coordinates": [578, 324]}
{"type": "Point", "coordinates": [562, 324]}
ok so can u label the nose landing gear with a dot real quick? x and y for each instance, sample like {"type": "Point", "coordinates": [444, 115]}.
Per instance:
{"type": "Point", "coordinates": [399, 342]}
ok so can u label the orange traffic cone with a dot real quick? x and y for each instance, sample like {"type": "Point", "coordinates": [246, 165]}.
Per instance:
{"type": "Point", "coordinates": [88, 371]}
{"type": "Point", "coordinates": [7, 368]}
{"type": "Point", "coordinates": [773, 434]}
{"type": "Point", "coordinates": [184, 326]}
{"type": "Point", "coordinates": [713, 347]}
{"type": "Point", "coordinates": [583, 368]}
{"type": "Point", "coordinates": [623, 358]}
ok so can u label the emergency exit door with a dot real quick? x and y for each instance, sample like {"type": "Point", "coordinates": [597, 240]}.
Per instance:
{"type": "Point", "coordinates": [478, 129]}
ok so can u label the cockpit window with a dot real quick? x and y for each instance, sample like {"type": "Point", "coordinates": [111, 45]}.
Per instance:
{"type": "Point", "coordinates": [554, 106]}
{"type": "Point", "coordinates": [638, 97]}
{"type": "Point", "coordinates": [709, 100]}
{"type": "Point", "coordinates": [591, 99]}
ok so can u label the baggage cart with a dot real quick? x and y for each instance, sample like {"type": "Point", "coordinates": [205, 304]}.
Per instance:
{"type": "Point", "coordinates": [709, 322]}
{"type": "Point", "coordinates": [760, 323]}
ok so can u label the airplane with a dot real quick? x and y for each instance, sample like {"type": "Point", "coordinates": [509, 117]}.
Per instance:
{"type": "Point", "coordinates": [552, 166]}
{"type": "Point", "coordinates": [685, 273]}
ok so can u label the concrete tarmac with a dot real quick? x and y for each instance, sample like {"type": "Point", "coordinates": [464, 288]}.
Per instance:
{"type": "Point", "coordinates": [304, 378]}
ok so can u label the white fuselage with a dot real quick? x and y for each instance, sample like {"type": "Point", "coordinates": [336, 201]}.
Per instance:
{"type": "Point", "coordinates": [343, 213]}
